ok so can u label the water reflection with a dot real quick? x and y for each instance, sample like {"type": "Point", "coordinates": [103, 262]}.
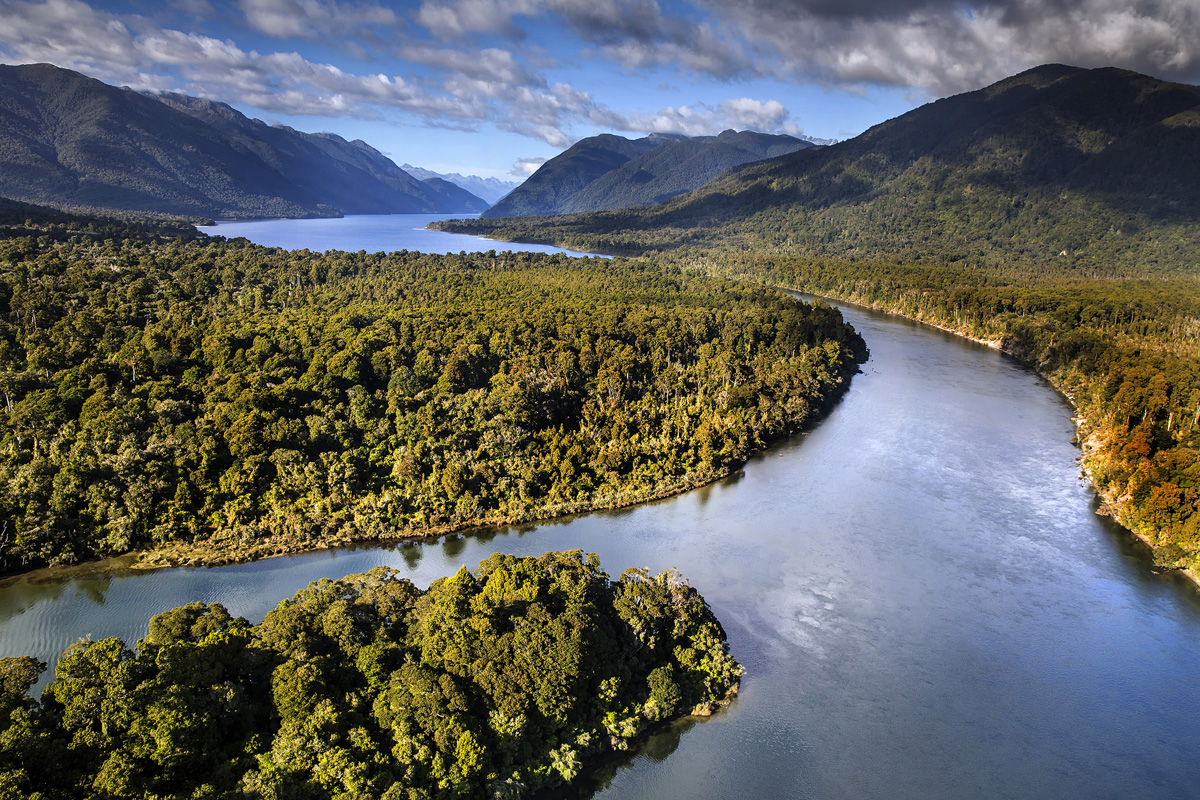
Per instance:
{"type": "Point", "coordinates": [655, 746]}
{"type": "Point", "coordinates": [94, 589]}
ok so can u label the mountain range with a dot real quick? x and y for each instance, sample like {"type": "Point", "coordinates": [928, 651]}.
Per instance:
{"type": "Point", "coordinates": [67, 140]}
{"type": "Point", "coordinates": [611, 172]}
{"type": "Point", "coordinates": [487, 189]}
{"type": "Point", "coordinates": [1057, 162]}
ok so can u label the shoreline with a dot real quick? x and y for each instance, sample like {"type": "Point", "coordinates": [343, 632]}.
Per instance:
{"type": "Point", "coordinates": [212, 554]}
{"type": "Point", "coordinates": [1110, 503]}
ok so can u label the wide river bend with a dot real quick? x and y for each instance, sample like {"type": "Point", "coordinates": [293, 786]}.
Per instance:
{"type": "Point", "coordinates": [926, 604]}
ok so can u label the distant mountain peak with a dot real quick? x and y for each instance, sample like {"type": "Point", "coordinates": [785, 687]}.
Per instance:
{"type": "Point", "coordinates": [489, 189]}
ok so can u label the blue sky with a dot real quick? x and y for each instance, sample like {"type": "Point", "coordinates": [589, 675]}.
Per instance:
{"type": "Point", "coordinates": [494, 87]}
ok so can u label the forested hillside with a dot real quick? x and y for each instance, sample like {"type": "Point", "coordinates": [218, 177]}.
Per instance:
{"type": "Point", "coordinates": [1058, 167]}
{"type": "Point", "coordinates": [1054, 212]}
{"type": "Point", "coordinates": [215, 400]}
{"type": "Point", "coordinates": [494, 683]}
{"type": "Point", "coordinates": [73, 142]}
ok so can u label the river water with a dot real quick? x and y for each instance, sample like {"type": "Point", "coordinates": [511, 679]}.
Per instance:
{"type": "Point", "coordinates": [926, 604]}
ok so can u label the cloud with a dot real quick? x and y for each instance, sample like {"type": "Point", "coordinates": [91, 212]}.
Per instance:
{"type": "Point", "coordinates": [525, 167]}
{"type": "Point", "coordinates": [636, 34]}
{"type": "Point", "coordinates": [489, 65]}
{"type": "Point", "coordinates": [742, 113]}
{"type": "Point", "coordinates": [470, 17]}
{"type": "Point", "coordinates": [935, 47]}
{"type": "Point", "coordinates": [314, 19]}
{"type": "Point", "coordinates": [941, 47]}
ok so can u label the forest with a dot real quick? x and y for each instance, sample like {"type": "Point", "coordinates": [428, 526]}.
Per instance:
{"type": "Point", "coordinates": [496, 682]}
{"type": "Point", "coordinates": [205, 401]}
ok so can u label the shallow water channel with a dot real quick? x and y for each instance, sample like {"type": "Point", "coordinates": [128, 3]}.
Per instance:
{"type": "Point", "coordinates": [926, 604]}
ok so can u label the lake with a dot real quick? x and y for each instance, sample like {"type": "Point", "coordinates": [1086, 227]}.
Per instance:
{"type": "Point", "coordinates": [385, 232]}
{"type": "Point", "coordinates": [926, 603]}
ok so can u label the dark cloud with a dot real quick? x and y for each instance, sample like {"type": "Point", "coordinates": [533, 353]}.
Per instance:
{"type": "Point", "coordinates": [940, 47]}
{"type": "Point", "coordinates": [852, 9]}
{"type": "Point", "coordinates": [316, 19]}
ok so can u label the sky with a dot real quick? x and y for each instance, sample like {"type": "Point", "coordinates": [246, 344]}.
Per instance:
{"type": "Point", "coordinates": [495, 87]}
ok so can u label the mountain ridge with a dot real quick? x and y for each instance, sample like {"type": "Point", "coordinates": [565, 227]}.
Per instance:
{"type": "Point", "coordinates": [607, 172]}
{"type": "Point", "coordinates": [71, 141]}
{"type": "Point", "coordinates": [1055, 162]}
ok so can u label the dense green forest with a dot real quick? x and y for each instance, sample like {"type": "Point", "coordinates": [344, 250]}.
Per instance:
{"type": "Point", "coordinates": [212, 400]}
{"type": "Point", "coordinates": [1120, 336]}
{"type": "Point", "coordinates": [492, 683]}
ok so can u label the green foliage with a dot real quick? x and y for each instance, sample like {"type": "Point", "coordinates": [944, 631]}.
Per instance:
{"type": "Point", "coordinates": [498, 681]}
{"type": "Point", "coordinates": [213, 400]}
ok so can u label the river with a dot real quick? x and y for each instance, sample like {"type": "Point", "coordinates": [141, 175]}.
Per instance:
{"type": "Point", "coordinates": [924, 600]}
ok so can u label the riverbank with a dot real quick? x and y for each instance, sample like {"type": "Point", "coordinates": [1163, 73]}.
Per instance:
{"type": "Point", "coordinates": [1092, 458]}
{"type": "Point", "coordinates": [233, 548]}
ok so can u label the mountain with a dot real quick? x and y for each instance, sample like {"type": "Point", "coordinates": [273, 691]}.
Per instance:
{"type": "Point", "coordinates": [610, 172]}
{"type": "Point", "coordinates": [676, 167]}
{"type": "Point", "coordinates": [454, 196]}
{"type": "Point", "coordinates": [545, 191]}
{"type": "Point", "coordinates": [1056, 162]}
{"type": "Point", "coordinates": [488, 189]}
{"type": "Point", "coordinates": [71, 141]}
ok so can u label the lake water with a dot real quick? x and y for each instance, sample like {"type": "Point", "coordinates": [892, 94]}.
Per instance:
{"type": "Point", "coordinates": [926, 604]}
{"type": "Point", "coordinates": [373, 233]}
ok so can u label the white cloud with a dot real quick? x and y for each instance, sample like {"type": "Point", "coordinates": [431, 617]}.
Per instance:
{"type": "Point", "coordinates": [742, 113]}
{"type": "Point", "coordinates": [527, 166]}
{"type": "Point", "coordinates": [467, 17]}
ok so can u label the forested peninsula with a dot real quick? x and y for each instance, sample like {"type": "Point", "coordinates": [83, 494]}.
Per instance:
{"type": "Point", "coordinates": [492, 683]}
{"type": "Point", "coordinates": [203, 401]}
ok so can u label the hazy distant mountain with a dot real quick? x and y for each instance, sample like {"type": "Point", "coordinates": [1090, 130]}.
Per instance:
{"type": "Point", "coordinates": [489, 189]}
{"type": "Point", "coordinates": [71, 141]}
{"type": "Point", "coordinates": [610, 172]}
{"type": "Point", "coordinates": [455, 197]}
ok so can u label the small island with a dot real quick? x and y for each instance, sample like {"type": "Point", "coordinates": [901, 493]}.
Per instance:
{"type": "Point", "coordinates": [494, 683]}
